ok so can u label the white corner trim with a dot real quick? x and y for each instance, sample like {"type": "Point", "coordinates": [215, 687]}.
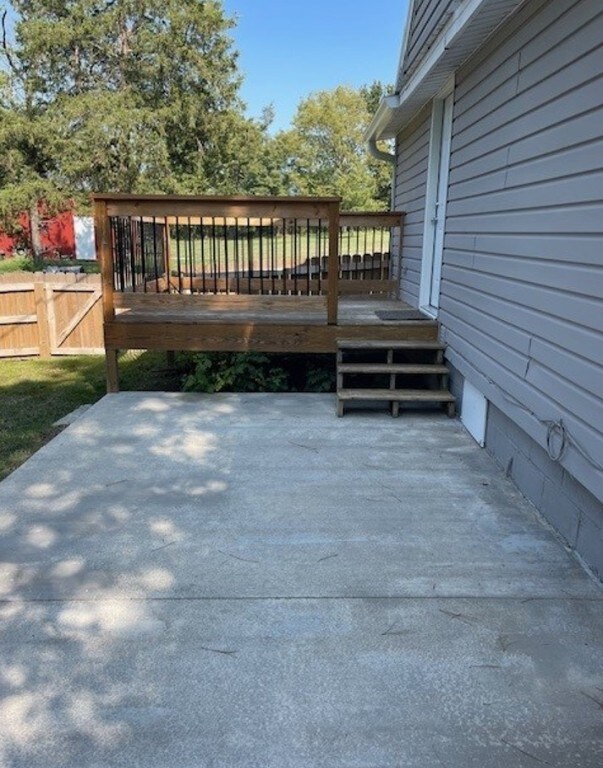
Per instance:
{"type": "Point", "coordinates": [438, 158]}
{"type": "Point", "coordinates": [435, 143]}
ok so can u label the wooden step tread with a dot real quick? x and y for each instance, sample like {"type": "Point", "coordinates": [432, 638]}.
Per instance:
{"type": "Point", "coordinates": [391, 368]}
{"type": "Point", "coordinates": [407, 395]}
{"type": "Point", "coordinates": [372, 344]}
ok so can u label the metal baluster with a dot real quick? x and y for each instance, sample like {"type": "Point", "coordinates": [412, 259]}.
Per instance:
{"type": "Point", "coordinates": [202, 244]}
{"type": "Point", "coordinates": [227, 284]}
{"type": "Point", "coordinates": [213, 253]}
{"type": "Point", "coordinates": [294, 256]}
{"type": "Point", "coordinates": [272, 264]}
{"type": "Point", "coordinates": [308, 258]}
{"type": "Point", "coordinates": [237, 262]}
{"type": "Point", "coordinates": [188, 259]}
{"type": "Point", "coordinates": [284, 267]}
{"type": "Point", "coordinates": [249, 256]}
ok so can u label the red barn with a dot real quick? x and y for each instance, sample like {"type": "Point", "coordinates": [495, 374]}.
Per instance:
{"type": "Point", "coordinates": [57, 235]}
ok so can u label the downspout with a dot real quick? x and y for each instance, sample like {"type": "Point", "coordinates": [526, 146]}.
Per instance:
{"type": "Point", "coordinates": [379, 154]}
{"type": "Point", "coordinates": [387, 106]}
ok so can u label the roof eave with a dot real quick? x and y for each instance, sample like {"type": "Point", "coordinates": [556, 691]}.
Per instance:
{"type": "Point", "coordinates": [469, 26]}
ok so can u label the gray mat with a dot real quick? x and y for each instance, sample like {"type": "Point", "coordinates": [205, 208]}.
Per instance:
{"type": "Point", "coordinates": [401, 314]}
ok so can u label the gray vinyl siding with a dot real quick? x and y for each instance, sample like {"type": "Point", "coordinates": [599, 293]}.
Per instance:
{"type": "Point", "coordinates": [427, 19]}
{"type": "Point", "coordinates": [412, 149]}
{"type": "Point", "coordinates": [521, 302]}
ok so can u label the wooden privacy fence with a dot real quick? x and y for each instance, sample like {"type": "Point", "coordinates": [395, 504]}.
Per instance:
{"type": "Point", "coordinates": [50, 314]}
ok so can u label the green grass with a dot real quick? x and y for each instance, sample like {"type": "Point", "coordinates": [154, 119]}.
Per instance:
{"type": "Point", "coordinates": [35, 393]}
{"type": "Point", "coordinates": [26, 264]}
{"type": "Point", "coordinates": [16, 264]}
{"type": "Point", "coordinates": [276, 251]}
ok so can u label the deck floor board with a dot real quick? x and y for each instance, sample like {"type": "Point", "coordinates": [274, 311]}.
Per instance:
{"type": "Point", "coordinates": [352, 311]}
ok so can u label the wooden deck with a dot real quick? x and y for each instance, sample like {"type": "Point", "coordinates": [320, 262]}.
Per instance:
{"type": "Point", "coordinates": [240, 274]}
{"type": "Point", "coordinates": [241, 323]}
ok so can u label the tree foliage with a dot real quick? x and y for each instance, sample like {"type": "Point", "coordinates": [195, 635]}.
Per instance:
{"type": "Point", "coordinates": [120, 95]}
{"type": "Point", "coordinates": [325, 151]}
{"type": "Point", "coordinates": [143, 96]}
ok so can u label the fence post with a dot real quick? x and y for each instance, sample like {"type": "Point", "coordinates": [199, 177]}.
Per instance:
{"type": "Point", "coordinates": [333, 264]}
{"type": "Point", "coordinates": [42, 315]}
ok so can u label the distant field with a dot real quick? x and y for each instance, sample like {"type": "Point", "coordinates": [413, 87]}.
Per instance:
{"type": "Point", "coordinates": [275, 253]}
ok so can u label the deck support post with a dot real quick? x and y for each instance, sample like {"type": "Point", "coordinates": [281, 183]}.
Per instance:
{"type": "Point", "coordinates": [112, 370]}
{"type": "Point", "coordinates": [333, 264]}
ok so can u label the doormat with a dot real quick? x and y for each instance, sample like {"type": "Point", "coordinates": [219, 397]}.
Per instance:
{"type": "Point", "coordinates": [400, 314]}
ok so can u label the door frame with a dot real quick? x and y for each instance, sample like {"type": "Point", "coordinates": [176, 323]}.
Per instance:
{"type": "Point", "coordinates": [440, 137]}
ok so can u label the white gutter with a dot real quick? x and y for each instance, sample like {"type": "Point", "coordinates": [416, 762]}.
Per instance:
{"type": "Point", "coordinates": [467, 28]}
{"type": "Point", "coordinates": [382, 116]}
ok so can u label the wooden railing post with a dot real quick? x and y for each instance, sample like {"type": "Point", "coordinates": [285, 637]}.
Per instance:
{"type": "Point", "coordinates": [105, 256]}
{"type": "Point", "coordinates": [104, 253]}
{"type": "Point", "coordinates": [333, 264]}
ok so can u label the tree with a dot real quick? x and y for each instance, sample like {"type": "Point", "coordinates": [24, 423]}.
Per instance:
{"type": "Point", "coordinates": [325, 152]}
{"type": "Point", "coordinates": [120, 95]}
{"type": "Point", "coordinates": [382, 174]}
{"type": "Point", "coordinates": [28, 148]}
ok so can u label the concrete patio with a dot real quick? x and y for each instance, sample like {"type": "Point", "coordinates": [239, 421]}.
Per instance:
{"type": "Point", "coordinates": [228, 581]}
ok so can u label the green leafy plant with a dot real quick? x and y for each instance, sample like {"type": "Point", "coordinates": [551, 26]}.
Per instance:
{"type": "Point", "coordinates": [234, 372]}
{"type": "Point", "coordinates": [256, 372]}
{"type": "Point", "coordinates": [320, 378]}
{"type": "Point", "coordinates": [16, 264]}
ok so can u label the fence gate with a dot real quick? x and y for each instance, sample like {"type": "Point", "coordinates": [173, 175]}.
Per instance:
{"type": "Point", "coordinates": [74, 313]}
{"type": "Point", "coordinates": [44, 315]}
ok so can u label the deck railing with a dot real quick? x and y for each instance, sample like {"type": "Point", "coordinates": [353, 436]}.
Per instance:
{"type": "Point", "coordinates": [298, 247]}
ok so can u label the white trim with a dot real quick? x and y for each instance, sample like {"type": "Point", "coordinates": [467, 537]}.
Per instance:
{"type": "Point", "coordinates": [382, 116]}
{"type": "Point", "coordinates": [438, 164]}
{"type": "Point", "coordinates": [442, 196]}
{"type": "Point", "coordinates": [435, 142]}
{"type": "Point", "coordinates": [474, 412]}
{"type": "Point", "coordinates": [460, 18]}
{"type": "Point", "coordinates": [409, 15]}
{"type": "Point", "coordinates": [452, 46]}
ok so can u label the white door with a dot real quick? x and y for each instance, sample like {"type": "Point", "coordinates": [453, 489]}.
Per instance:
{"type": "Point", "coordinates": [435, 203]}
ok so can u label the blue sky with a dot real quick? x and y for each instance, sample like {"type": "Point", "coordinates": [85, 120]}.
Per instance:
{"type": "Point", "coordinates": [290, 48]}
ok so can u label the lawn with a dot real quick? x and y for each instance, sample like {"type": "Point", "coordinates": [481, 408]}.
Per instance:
{"type": "Point", "coordinates": [271, 252]}
{"type": "Point", "coordinates": [35, 393]}
{"type": "Point", "coordinates": [26, 264]}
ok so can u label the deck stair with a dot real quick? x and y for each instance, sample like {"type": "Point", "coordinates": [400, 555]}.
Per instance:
{"type": "Point", "coordinates": [393, 371]}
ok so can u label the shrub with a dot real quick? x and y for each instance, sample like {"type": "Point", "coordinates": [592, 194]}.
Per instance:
{"type": "Point", "coordinates": [257, 372]}
{"type": "Point", "coordinates": [16, 264]}
{"type": "Point", "coordinates": [234, 372]}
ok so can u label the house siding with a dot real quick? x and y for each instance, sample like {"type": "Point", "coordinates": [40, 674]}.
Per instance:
{"type": "Point", "coordinates": [427, 19]}
{"type": "Point", "coordinates": [521, 302]}
{"type": "Point", "coordinates": [412, 150]}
